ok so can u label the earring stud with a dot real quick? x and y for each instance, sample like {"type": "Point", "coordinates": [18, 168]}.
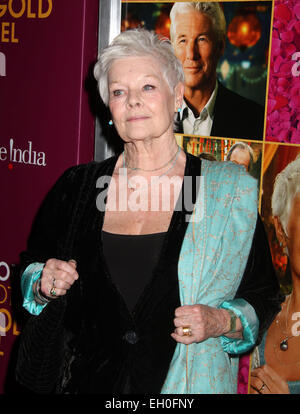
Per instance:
{"type": "Point", "coordinates": [110, 122]}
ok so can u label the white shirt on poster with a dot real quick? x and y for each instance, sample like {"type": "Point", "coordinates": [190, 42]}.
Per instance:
{"type": "Point", "coordinates": [201, 125]}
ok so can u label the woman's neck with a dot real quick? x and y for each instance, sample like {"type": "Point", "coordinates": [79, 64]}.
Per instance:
{"type": "Point", "coordinates": [149, 155]}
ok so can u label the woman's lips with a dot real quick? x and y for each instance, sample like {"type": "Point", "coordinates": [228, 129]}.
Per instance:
{"type": "Point", "coordinates": [137, 118]}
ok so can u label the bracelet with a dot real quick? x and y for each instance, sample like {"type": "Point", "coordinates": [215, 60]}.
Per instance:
{"type": "Point", "coordinates": [233, 319]}
{"type": "Point", "coordinates": [40, 298]}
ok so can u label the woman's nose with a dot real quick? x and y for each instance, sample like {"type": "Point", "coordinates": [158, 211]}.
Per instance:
{"type": "Point", "coordinates": [133, 98]}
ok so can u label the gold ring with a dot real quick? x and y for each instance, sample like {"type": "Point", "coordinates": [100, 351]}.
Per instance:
{"type": "Point", "coordinates": [187, 331]}
{"type": "Point", "coordinates": [52, 290]}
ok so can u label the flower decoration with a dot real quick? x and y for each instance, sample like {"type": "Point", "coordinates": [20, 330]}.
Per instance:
{"type": "Point", "coordinates": [283, 115]}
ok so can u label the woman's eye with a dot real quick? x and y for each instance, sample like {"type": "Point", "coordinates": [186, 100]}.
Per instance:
{"type": "Point", "coordinates": [117, 92]}
{"type": "Point", "coordinates": [149, 87]}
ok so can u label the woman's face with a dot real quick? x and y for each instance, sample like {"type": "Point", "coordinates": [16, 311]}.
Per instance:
{"type": "Point", "coordinates": [140, 100]}
{"type": "Point", "coordinates": [293, 238]}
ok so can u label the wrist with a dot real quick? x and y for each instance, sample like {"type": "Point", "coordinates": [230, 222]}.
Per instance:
{"type": "Point", "coordinates": [38, 294]}
{"type": "Point", "coordinates": [230, 324]}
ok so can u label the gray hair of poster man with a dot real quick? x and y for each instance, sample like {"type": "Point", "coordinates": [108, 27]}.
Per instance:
{"type": "Point", "coordinates": [286, 187]}
{"type": "Point", "coordinates": [244, 147]}
{"type": "Point", "coordinates": [212, 9]}
{"type": "Point", "coordinates": [139, 43]}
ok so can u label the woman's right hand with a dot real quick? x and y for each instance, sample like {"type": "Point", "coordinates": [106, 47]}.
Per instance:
{"type": "Point", "coordinates": [57, 277]}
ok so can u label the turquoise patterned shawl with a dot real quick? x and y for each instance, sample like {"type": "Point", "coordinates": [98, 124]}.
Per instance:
{"type": "Point", "coordinates": [211, 264]}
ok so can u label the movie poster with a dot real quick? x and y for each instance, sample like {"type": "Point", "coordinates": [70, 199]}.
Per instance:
{"type": "Point", "coordinates": [259, 66]}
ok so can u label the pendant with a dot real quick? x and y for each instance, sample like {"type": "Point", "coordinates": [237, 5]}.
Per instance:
{"type": "Point", "coordinates": [284, 345]}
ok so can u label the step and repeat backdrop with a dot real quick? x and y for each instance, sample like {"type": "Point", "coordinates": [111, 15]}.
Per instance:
{"type": "Point", "coordinates": [46, 49]}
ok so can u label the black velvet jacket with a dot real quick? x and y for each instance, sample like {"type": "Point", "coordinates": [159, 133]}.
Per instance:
{"type": "Point", "coordinates": [88, 341]}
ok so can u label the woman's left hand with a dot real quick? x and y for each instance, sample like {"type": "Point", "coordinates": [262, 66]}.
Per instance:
{"type": "Point", "coordinates": [204, 322]}
{"type": "Point", "coordinates": [264, 380]}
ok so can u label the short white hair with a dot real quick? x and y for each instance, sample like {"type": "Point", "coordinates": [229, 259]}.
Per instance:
{"type": "Point", "coordinates": [212, 9]}
{"type": "Point", "coordinates": [286, 187]}
{"type": "Point", "coordinates": [141, 43]}
{"type": "Point", "coordinates": [244, 147]}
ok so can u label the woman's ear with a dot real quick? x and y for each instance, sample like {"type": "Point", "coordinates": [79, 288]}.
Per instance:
{"type": "Point", "coordinates": [280, 233]}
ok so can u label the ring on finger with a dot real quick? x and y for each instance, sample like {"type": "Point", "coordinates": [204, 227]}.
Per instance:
{"type": "Point", "coordinates": [262, 387]}
{"type": "Point", "coordinates": [187, 331]}
{"type": "Point", "coordinates": [52, 290]}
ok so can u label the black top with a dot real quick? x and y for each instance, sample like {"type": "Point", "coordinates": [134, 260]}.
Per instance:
{"type": "Point", "coordinates": [88, 341]}
{"type": "Point", "coordinates": [131, 260]}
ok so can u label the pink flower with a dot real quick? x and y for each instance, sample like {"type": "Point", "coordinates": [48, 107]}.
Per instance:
{"type": "Point", "coordinates": [295, 102]}
{"type": "Point", "coordinates": [287, 37]}
{"type": "Point", "coordinates": [281, 101]}
{"type": "Point", "coordinates": [283, 104]}
{"type": "Point", "coordinates": [297, 38]}
{"type": "Point", "coordinates": [286, 68]}
{"type": "Point", "coordinates": [278, 62]}
{"type": "Point", "coordinates": [274, 117]}
{"type": "Point", "coordinates": [282, 12]}
{"type": "Point", "coordinates": [283, 82]}
{"type": "Point", "coordinates": [283, 134]}
{"type": "Point", "coordinates": [295, 90]}
{"type": "Point", "coordinates": [285, 116]}
{"type": "Point", "coordinates": [297, 27]}
{"type": "Point", "coordinates": [271, 105]}
{"type": "Point", "coordinates": [295, 136]}
{"type": "Point", "coordinates": [276, 43]}
{"type": "Point", "coordinates": [290, 49]}
{"type": "Point", "coordinates": [296, 10]}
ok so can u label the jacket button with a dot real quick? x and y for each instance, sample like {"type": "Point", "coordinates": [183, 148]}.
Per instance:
{"type": "Point", "coordinates": [131, 337]}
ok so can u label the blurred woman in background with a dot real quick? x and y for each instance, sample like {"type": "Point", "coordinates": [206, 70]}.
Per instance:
{"type": "Point", "coordinates": [278, 358]}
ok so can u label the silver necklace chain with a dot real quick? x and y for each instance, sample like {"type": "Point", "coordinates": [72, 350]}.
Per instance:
{"type": "Point", "coordinates": [284, 343]}
{"type": "Point", "coordinates": [155, 169]}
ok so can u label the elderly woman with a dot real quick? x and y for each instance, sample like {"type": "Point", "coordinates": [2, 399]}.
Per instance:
{"type": "Point", "coordinates": [241, 153]}
{"type": "Point", "coordinates": [279, 352]}
{"type": "Point", "coordinates": [129, 296]}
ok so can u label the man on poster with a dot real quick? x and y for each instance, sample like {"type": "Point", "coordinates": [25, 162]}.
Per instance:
{"type": "Point", "coordinates": [198, 33]}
